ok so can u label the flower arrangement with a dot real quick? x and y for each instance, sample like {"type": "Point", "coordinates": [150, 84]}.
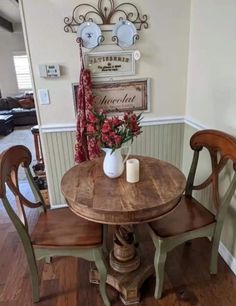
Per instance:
{"type": "Point", "coordinates": [112, 132]}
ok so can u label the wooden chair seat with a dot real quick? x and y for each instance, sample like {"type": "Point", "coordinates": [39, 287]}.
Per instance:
{"type": "Point", "coordinates": [187, 216]}
{"type": "Point", "coordinates": [61, 227]}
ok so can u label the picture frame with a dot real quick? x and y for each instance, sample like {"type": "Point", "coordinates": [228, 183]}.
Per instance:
{"type": "Point", "coordinates": [110, 63]}
{"type": "Point", "coordinates": [120, 95]}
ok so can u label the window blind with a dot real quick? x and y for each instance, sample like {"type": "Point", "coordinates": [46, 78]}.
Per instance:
{"type": "Point", "coordinates": [23, 76]}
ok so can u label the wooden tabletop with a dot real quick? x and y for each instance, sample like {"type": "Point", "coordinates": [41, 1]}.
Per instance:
{"type": "Point", "coordinates": [93, 196]}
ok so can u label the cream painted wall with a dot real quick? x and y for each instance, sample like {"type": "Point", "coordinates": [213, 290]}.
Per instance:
{"type": "Point", "coordinates": [211, 96]}
{"type": "Point", "coordinates": [10, 43]}
{"type": "Point", "coordinates": [164, 49]}
{"type": "Point", "coordinates": [211, 93]}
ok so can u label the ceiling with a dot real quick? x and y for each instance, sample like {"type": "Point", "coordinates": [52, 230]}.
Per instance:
{"type": "Point", "coordinates": [9, 9]}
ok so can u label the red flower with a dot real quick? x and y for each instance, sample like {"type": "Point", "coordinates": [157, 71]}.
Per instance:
{"type": "Point", "coordinates": [133, 118]}
{"type": "Point", "coordinates": [116, 121]}
{"type": "Point", "coordinates": [126, 116]}
{"type": "Point", "coordinates": [117, 139]}
{"type": "Point", "coordinates": [112, 134]}
{"type": "Point", "coordinates": [106, 127]}
{"type": "Point", "coordinates": [105, 138]}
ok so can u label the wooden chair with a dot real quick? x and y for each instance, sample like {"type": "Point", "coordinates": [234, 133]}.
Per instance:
{"type": "Point", "coordinates": [190, 219]}
{"type": "Point", "coordinates": [58, 232]}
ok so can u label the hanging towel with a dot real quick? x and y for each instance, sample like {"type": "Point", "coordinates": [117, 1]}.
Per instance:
{"type": "Point", "coordinates": [85, 148]}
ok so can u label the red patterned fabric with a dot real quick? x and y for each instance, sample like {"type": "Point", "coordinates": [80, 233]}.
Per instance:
{"type": "Point", "coordinates": [85, 148]}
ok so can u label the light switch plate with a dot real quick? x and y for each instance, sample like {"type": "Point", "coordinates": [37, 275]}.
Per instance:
{"type": "Point", "coordinates": [43, 96]}
{"type": "Point", "coordinates": [43, 71]}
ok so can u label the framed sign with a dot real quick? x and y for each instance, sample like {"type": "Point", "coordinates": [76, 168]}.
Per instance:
{"type": "Point", "coordinates": [110, 64]}
{"type": "Point", "coordinates": [120, 96]}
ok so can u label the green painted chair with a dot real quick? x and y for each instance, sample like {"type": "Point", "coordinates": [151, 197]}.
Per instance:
{"type": "Point", "coordinates": [190, 219]}
{"type": "Point", "coordinates": [57, 232]}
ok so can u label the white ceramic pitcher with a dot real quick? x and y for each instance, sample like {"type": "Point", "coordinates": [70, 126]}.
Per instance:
{"type": "Point", "coordinates": [113, 164]}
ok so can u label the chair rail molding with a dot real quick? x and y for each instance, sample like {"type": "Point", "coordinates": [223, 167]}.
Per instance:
{"type": "Point", "coordinates": [71, 127]}
{"type": "Point", "coordinates": [195, 124]}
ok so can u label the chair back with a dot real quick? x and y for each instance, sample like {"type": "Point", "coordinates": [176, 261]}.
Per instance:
{"type": "Point", "coordinates": [222, 148]}
{"type": "Point", "coordinates": [10, 161]}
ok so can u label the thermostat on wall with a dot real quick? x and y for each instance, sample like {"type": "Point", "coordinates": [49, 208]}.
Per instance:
{"type": "Point", "coordinates": [50, 70]}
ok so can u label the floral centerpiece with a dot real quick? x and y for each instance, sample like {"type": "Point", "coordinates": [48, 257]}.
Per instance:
{"type": "Point", "coordinates": [112, 133]}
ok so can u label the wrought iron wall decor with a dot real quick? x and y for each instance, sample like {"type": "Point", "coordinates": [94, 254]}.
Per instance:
{"type": "Point", "coordinates": [106, 13]}
{"type": "Point", "coordinates": [100, 39]}
{"type": "Point", "coordinates": [116, 39]}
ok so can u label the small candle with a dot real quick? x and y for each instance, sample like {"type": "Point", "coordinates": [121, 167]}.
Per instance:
{"type": "Point", "coordinates": [132, 170]}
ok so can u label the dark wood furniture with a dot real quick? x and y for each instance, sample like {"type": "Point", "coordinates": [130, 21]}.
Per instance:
{"type": "Point", "coordinates": [57, 232]}
{"type": "Point", "coordinates": [93, 196]}
{"type": "Point", "coordinates": [15, 107]}
{"type": "Point", "coordinates": [6, 124]}
{"type": "Point", "coordinates": [37, 144]}
{"type": "Point", "coordinates": [191, 219]}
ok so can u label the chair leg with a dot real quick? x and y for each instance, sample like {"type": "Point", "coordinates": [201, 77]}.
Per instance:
{"type": "Point", "coordinates": [104, 238]}
{"type": "Point", "coordinates": [34, 277]}
{"type": "Point", "coordinates": [99, 262]}
{"type": "Point", "coordinates": [214, 254]}
{"type": "Point", "coordinates": [159, 263]}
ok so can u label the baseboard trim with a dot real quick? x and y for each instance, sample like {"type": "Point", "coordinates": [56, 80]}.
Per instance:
{"type": "Point", "coordinates": [71, 127]}
{"type": "Point", "coordinates": [228, 257]}
{"type": "Point", "coordinates": [58, 206]}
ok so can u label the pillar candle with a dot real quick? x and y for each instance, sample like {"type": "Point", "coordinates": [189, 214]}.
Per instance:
{"type": "Point", "coordinates": [132, 170]}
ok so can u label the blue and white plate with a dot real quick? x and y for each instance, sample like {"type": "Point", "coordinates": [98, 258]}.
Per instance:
{"type": "Point", "coordinates": [90, 34]}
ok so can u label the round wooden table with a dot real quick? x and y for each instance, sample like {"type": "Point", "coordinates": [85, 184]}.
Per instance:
{"type": "Point", "coordinates": [95, 197]}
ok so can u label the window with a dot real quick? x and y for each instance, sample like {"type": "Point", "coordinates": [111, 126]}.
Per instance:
{"type": "Point", "coordinates": [23, 77]}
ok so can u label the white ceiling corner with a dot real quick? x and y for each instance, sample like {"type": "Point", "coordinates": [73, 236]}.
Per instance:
{"type": "Point", "coordinates": [9, 9]}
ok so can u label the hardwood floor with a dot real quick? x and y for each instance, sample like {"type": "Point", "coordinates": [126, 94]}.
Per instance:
{"type": "Point", "coordinates": [65, 281]}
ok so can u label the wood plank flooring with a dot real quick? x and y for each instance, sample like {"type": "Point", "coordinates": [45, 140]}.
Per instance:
{"type": "Point", "coordinates": [65, 281]}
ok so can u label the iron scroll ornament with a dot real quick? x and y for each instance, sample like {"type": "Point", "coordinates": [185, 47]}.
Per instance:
{"type": "Point", "coordinates": [105, 15]}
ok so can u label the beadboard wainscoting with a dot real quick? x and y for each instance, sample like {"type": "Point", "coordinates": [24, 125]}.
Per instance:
{"type": "Point", "coordinates": [163, 141]}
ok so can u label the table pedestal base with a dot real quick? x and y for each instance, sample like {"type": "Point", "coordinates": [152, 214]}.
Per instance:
{"type": "Point", "coordinates": [127, 284]}
{"type": "Point", "coordinates": [124, 266]}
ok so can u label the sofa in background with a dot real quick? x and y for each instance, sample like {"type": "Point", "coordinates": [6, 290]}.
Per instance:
{"type": "Point", "coordinates": [21, 107]}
